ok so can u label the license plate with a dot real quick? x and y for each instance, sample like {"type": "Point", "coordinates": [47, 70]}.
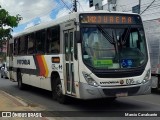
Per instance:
{"type": "Point", "coordinates": [121, 94]}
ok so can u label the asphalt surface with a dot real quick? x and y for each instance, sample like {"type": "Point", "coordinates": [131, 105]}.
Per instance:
{"type": "Point", "coordinates": [90, 109]}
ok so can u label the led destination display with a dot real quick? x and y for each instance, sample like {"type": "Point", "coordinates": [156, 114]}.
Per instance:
{"type": "Point", "coordinates": [109, 19]}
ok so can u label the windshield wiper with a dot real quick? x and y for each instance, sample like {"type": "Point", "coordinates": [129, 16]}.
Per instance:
{"type": "Point", "coordinates": [123, 41]}
{"type": "Point", "coordinates": [106, 34]}
{"type": "Point", "coordinates": [112, 39]}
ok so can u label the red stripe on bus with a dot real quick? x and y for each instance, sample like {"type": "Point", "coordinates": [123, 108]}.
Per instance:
{"type": "Point", "coordinates": [41, 65]}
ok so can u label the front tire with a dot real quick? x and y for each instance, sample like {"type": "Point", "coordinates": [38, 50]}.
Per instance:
{"type": "Point", "coordinates": [57, 91]}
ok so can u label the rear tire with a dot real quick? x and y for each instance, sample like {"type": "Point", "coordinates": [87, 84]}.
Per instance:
{"type": "Point", "coordinates": [21, 86]}
{"type": "Point", "coordinates": [57, 91]}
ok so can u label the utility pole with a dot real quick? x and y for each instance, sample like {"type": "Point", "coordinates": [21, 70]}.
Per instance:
{"type": "Point", "coordinates": [75, 5]}
{"type": "Point", "coordinates": [139, 6]}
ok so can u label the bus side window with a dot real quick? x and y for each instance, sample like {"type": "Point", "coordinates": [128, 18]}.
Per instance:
{"type": "Point", "coordinates": [53, 40]}
{"type": "Point", "coordinates": [48, 41]}
{"type": "Point", "coordinates": [40, 41]}
{"type": "Point", "coordinates": [11, 50]}
{"type": "Point", "coordinates": [31, 44]}
{"type": "Point", "coordinates": [23, 45]}
{"type": "Point", "coordinates": [16, 46]}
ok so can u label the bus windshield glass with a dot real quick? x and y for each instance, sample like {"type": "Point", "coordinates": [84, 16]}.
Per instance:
{"type": "Point", "coordinates": [110, 47]}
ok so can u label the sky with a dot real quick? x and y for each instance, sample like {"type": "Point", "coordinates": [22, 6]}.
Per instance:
{"type": "Point", "coordinates": [40, 11]}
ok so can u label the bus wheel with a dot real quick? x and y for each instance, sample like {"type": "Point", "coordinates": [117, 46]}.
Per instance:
{"type": "Point", "coordinates": [19, 79]}
{"type": "Point", "coordinates": [57, 92]}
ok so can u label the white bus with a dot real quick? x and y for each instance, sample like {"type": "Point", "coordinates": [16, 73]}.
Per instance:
{"type": "Point", "coordinates": [85, 55]}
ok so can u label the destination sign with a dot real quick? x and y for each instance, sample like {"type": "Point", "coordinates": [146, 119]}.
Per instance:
{"type": "Point", "coordinates": [109, 19]}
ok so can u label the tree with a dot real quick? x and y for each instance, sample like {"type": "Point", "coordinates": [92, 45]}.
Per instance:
{"type": "Point", "coordinates": [7, 23]}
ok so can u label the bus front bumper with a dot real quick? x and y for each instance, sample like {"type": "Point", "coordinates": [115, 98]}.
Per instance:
{"type": "Point", "coordinates": [91, 92]}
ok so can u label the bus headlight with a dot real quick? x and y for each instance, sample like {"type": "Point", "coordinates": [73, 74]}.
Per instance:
{"type": "Point", "coordinates": [147, 77]}
{"type": "Point", "coordinates": [89, 80]}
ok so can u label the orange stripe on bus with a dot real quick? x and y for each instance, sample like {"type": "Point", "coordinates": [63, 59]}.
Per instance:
{"type": "Point", "coordinates": [45, 65]}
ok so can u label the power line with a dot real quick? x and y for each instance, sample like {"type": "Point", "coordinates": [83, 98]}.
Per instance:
{"type": "Point", "coordinates": [80, 5]}
{"type": "Point", "coordinates": [55, 9]}
{"type": "Point", "coordinates": [66, 5]}
{"type": "Point", "coordinates": [147, 7]}
{"type": "Point", "coordinates": [39, 14]}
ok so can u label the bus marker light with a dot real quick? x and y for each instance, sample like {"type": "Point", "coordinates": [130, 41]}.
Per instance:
{"type": "Point", "coordinates": [55, 60]}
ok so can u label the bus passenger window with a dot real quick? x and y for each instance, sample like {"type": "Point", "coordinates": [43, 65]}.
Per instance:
{"type": "Point", "coordinates": [11, 50]}
{"type": "Point", "coordinates": [53, 40]}
{"type": "Point", "coordinates": [40, 41]}
{"type": "Point", "coordinates": [23, 45]}
{"type": "Point", "coordinates": [16, 46]}
{"type": "Point", "coordinates": [55, 47]}
{"type": "Point", "coordinates": [31, 44]}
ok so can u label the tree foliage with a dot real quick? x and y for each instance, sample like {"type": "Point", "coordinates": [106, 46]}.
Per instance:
{"type": "Point", "coordinates": [7, 23]}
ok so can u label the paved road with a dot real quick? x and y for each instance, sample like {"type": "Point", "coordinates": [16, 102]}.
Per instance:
{"type": "Point", "coordinates": [38, 97]}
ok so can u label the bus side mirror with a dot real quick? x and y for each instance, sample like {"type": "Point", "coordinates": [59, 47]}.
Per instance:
{"type": "Point", "coordinates": [76, 40]}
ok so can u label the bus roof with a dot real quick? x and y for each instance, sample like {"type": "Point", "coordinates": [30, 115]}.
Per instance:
{"type": "Point", "coordinates": [72, 16]}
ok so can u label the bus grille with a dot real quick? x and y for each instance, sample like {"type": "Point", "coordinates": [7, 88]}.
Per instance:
{"type": "Point", "coordinates": [118, 74]}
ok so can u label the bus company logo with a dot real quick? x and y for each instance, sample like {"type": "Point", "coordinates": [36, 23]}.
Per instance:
{"type": "Point", "coordinates": [109, 82]}
{"type": "Point", "coordinates": [23, 62]}
{"type": "Point", "coordinates": [121, 82]}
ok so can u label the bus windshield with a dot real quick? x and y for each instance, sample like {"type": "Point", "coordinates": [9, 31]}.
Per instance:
{"type": "Point", "coordinates": [113, 47]}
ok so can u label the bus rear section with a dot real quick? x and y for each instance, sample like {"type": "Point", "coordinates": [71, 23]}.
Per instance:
{"type": "Point", "coordinates": [113, 57]}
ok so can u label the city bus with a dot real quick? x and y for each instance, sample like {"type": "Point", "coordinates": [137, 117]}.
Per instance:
{"type": "Point", "coordinates": [85, 55]}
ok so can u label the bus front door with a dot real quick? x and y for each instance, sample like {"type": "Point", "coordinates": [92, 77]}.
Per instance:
{"type": "Point", "coordinates": [69, 64]}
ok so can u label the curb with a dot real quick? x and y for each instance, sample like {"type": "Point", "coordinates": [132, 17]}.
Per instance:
{"type": "Point", "coordinates": [14, 99]}
{"type": "Point", "coordinates": [20, 102]}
